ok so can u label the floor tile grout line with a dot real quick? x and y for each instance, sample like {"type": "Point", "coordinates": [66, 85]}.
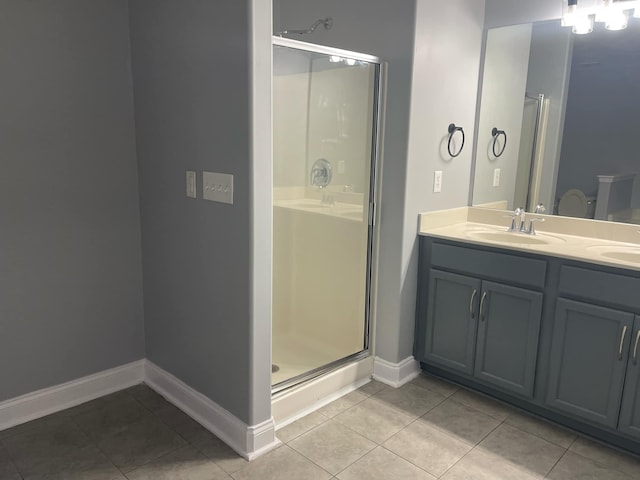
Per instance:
{"type": "Point", "coordinates": [95, 444]}
{"type": "Point", "coordinates": [539, 436]}
{"type": "Point", "coordinates": [376, 445]}
{"type": "Point", "coordinates": [473, 447]}
{"type": "Point", "coordinates": [556, 463]}
{"type": "Point", "coordinates": [152, 413]}
{"type": "Point", "coordinates": [602, 445]}
{"type": "Point", "coordinates": [410, 461]}
{"type": "Point", "coordinates": [307, 431]}
{"type": "Point", "coordinates": [433, 390]}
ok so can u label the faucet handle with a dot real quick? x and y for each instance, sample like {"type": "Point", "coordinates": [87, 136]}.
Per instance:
{"type": "Point", "coordinates": [516, 214]}
{"type": "Point", "coordinates": [532, 229]}
{"type": "Point", "coordinates": [540, 208]}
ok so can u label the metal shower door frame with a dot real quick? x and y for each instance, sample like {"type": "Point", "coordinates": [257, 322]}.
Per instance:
{"type": "Point", "coordinates": [373, 213]}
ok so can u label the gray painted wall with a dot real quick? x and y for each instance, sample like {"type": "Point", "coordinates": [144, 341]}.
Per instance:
{"type": "Point", "coordinates": [191, 84]}
{"type": "Point", "coordinates": [70, 268]}
{"type": "Point", "coordinates": [384, 29]}
{"type": "Point", "coordinates": [499, 13]}
{"type": "Point", "coordinates": [445, 84]}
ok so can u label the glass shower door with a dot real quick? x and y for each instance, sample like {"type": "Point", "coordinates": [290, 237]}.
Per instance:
{"type": "Point", "coordinates": [325, 105]}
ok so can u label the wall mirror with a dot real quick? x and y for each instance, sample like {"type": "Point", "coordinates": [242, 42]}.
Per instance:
{"type": "Point", "coordinates": [559, 121]}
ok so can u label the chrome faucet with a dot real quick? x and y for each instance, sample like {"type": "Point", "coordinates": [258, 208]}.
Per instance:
{"type": "Point", "coordinates": [522, 228]}
{"type": "Point", "coordinates": [515, 224]}
{"type": "Point", "coordinates": [532, 230]}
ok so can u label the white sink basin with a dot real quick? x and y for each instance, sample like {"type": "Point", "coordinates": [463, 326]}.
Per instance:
{"type": "Point", "coordinates": [626, 254]}
{"type": "Point", "coordinates": [514, 238]}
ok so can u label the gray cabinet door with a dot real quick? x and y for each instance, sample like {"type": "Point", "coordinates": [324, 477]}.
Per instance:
{"type": "Point", "coordinates": [451, 320]}
{"type": "Point", "coordinates": [508, 328]}
{"type": "Point", "coordinates": [630, 412]}
{"type": "Point", "coordinates": [588, 361]}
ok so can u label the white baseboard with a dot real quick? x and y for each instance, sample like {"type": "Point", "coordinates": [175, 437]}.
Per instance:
{"type": "Point", "coordinates": [395, 374]}
{"type": "Point", "coordinates": [53, 399]}
{"type": "Point", "coordinates": [250, 441]}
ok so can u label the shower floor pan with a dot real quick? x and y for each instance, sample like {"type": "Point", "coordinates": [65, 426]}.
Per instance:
{"type": "Point", "coordinates": [295, 354]}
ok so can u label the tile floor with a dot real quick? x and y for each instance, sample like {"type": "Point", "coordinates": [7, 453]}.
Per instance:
{"type": "Point", "coordinates": [425, 430]}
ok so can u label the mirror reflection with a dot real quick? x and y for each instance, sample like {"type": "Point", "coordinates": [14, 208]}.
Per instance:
{"type": "Point", "coordinates": [569, 107]}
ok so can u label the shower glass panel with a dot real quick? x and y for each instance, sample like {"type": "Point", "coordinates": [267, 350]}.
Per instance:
{"type": "Point", "coordinates": [325, 108]}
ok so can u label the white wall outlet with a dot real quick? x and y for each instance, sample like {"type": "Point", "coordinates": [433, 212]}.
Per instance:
{"type": "Point", "coordinates": [496, 177]}
{"type": "Point", "coordinates": [191, 184]}
{"type": "Point", "coordinates": [340, 166]}
{"type": "Point", "coordinates": [217, 187]}
{"type": "Point", "coordinates": [437, 181]}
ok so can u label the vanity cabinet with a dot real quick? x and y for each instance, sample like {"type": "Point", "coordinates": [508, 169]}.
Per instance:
{"type": "Point", "coordinates": [588, 360]}
{"type": "Point", "coordinates": [593, 371]}
{"type": "Point", "coordinates": [451, 324]}
{"type": "Point", "coordinates": [479, 327]}
{"type": "Point", "coordinates": [507, 344]}
{"type": "Point", "coordinates": [558, 337]}
{"type": "Point", "coordinates": [630, 412]}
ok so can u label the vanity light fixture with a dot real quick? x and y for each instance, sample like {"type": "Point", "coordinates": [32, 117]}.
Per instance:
{"type": "Point", "coordinates": [615, 13]}
{"type": "Point", "coordinates": [572, 16]}
{"type": "Point", "coordinates": [617, 20]}
{"type": "Point", "coordinates": [569, 12]}
{"type": "Point", "coordinates": [583, 25]}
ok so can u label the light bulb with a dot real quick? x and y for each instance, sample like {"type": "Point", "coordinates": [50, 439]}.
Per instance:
{"type": "Point", "coordinates": [617, 20]}
{"type": "Point", "coordinates": [569, 17]}
{"type": "Point", "coordinates": [334, 59]}
{"type": "Point", "coordinates": [583, 24]}
{"type": "Point", "coordinates": [604, 10]}
{"type": "Point", "coordinates": [350, 61]}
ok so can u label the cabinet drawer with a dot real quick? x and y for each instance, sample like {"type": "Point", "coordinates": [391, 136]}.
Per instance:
{"type": "Point", "coordinates": [607, 288]}
{"type": "Point", "coordinates": [491, 265]}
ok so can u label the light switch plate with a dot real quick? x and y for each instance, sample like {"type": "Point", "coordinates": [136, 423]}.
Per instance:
{"type": "Point", "coordinates": [437, 181]}
{"type": "Point", "coordinates": [217, 187]}
{"type": "Point", "coordinates": [191, 184]}
{"type": "Point", "coordinates": [496, 177]}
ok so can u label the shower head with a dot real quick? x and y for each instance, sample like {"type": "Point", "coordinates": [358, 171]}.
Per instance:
{"type": "Point", "coordinates": [327, 22]}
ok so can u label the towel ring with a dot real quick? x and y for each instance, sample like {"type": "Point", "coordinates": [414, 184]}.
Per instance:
{"type": "Point", "coordinates": [495, 133]}
{"type": "Point", "coordinates": [452, 130]}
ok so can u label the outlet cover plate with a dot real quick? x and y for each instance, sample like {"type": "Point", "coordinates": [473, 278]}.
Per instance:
{"type": "Point", "coordinates": [217, 187]}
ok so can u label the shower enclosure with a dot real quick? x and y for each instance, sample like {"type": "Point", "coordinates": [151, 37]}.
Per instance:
{"type": "Point", "coordinates": [325, 125]}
